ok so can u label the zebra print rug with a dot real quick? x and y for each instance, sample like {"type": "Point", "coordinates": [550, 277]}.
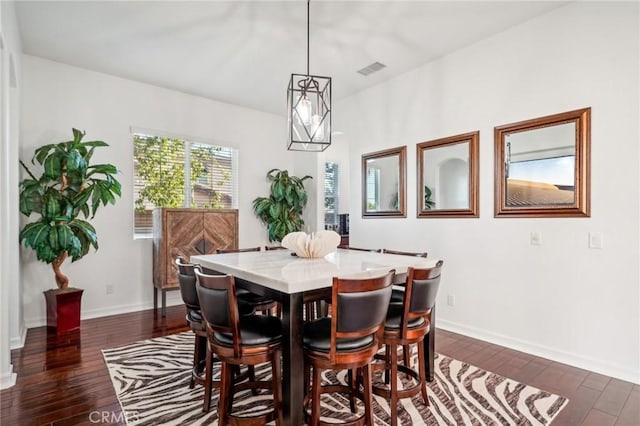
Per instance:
{"type": "Point", "coordinates": [151, 380]}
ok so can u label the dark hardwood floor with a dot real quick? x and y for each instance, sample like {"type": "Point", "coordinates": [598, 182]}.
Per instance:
{"type": "Point", "coordinates": [64, 381]}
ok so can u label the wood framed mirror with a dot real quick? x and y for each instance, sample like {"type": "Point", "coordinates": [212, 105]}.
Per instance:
{"type": "Point", "coordinates": [448, 176]}
{"type": "Point", "coordinates": [542, 166]}
{"type": "Point", "coordinates": [384, 183]}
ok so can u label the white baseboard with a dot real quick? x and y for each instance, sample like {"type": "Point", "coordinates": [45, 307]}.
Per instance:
{"type": "Point", "coordinates": [18, 342]}
{"type": "Point", "coordinates": [575, 360]}
{"type": "Point", "coordinates": [8, 379]}
{"type": "Point", "coordinates": [103, 312]}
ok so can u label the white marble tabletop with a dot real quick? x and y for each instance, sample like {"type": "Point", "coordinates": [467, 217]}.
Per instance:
{"type": "Point", "coordinates": [279, 270]}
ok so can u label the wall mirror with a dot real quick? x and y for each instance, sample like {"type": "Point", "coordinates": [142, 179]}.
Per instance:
{"type": "Point", "coordinates": [542, 166]}
{"type": "Point", "coordinates": [383, 183]}
{"type": "Point", "coordinates": [448, 176]}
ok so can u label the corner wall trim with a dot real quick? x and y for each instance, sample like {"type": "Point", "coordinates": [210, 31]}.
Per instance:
{"type": "Point", "coordinates": [8, 379]}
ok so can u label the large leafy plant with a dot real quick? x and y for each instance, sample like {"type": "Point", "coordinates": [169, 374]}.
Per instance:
{"type": "Point", "coordinates": [68, 187]}
{"type": "Point", "coordinates": [282, 210]}
{"type": "Point", "coordinates": [428, 202]}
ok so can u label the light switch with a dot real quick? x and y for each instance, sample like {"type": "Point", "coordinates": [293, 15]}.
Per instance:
{"type": "Point", "coordinates": [595, 240]}
{"type": "Point", "coordinates": [536, 238]}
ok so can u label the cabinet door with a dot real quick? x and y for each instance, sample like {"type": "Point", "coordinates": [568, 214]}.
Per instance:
{"type": "Point", "coordinates": [184, 237]}
{"type": "Point", "coordinates": [221, 230]}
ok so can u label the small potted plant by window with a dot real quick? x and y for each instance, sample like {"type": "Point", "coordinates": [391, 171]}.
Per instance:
{"type": "Point", "coordinates": [68, 187]}
{"type": "Point", "coordinates": [281, 211]}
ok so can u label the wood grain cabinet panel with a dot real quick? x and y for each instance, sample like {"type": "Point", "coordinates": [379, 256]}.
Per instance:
{"type": "Point", "coordinates": [187, 232]}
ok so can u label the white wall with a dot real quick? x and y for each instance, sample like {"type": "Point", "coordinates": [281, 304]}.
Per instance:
{"type": "Point", "coordinates": [57, 97]}
{"type": "Point", "coordinates": [559, 300]}
{"type": "Point", "coordinates": [11, 324]}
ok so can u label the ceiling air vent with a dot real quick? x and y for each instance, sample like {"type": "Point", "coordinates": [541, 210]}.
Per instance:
{"type": "Point", "coordinates": [370, 69]}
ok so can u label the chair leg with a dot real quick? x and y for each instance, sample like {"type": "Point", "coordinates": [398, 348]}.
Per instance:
{"type": "Point", "coordinates": [352, 382]}
{"type": "Point", "coordinates": [406, 351]}
{"type": "Point", "coordinates": [387, 356]}
{"type": "Point", "coordinates": [252, 377]}
{"type": "Point", "coordinates": [394, 385]}
{"type": "Point", "coordinates": [226, 382]}
{"type": "Point", "coordinates": [277, 387]}
{"type": "Point", "coordinates": [196, 360]}
{"type": "Point", "coordinates": [208, 377]}
{"type": "Point", "coordinates": [422, 367]}
{"type": "Point", "coordinates": [368, 398]}
{"type": "Point", "coordinates": [315, 399]}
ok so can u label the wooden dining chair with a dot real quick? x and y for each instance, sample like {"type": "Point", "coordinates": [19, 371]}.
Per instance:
{"type": "Point", "coordinates": [260, 303]}
{"type": "Point", "coordinates": [242, 250]}
{"type": "Point", "coordinates": [397, 295]}
{"type": "Point", "coordinates": [238, 340]}
{"type": "Point", "coordinates": [362, 249]}
{"type": "Point", "coordinates": [189, 293]}
{"type": "Point", "coordinates": [346, 341]}
{"type": "Point", "coordinates": [405, 253]}
{"type": "Point", "coordinates": [187, 282]}
{"type": "Point", "coordinates": [408, 324]}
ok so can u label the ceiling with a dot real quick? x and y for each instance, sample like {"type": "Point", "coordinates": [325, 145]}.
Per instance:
{"type": "Point", "coordinates": [243, 52]}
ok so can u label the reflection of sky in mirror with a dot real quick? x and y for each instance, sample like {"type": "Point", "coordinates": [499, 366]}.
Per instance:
{"type": "Point", "coordinates": [556, 171]}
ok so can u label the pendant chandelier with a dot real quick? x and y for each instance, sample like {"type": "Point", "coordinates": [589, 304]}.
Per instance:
{"type": "Point", "coordinates": [309, 109]}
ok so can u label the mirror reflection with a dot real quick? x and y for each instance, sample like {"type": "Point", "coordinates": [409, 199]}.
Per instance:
{"type": "Point", "coordinates": [539, 166]}
{"type": "Point", "coordinates": [383, 183]}
{"type": "Point", "coordinates": [542, 166]}
{"type": "Point", "coordinates": [448, 176]}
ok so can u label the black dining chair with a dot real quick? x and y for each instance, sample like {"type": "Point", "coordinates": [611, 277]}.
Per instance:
{"type": "Point", "coordinates": [408, 324]}
{"type": "Point", "coordinates": [260, 303]}
{"type": "Point", "coordinates": [189, 293]}
{"type": "Point", "coordinates": [362, 249]}
{"type": "Point", "coordinates": [346, 341]}
{"type": "Point", "coordinates": [406, 253]}
{"type": "Point", "coordinates": [397, 295]}
{"type": "Point", "coordinates": [238, 340]}
{"type": "Point", "coordinates": [187, 282]}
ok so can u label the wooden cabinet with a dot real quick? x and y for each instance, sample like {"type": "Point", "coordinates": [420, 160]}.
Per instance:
{"type": "Point", "coordinates": [187, 232]}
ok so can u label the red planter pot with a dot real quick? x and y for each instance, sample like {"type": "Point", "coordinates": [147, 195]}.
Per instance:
{"type": "Point", "coordinates": [63, 309]}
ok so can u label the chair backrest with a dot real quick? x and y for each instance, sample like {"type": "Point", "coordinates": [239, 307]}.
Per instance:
{"type": "Point", "coordinates": [359, 306]}
{"type": "Point", "coordinates": [406, 253]}
{"type": "Point", "coordinates": [187, 282]}
{"type": "Point", "coordinates": [219, 305]}
{"type": "Point", "coordinates": [421, 290]}
{"type": "Point", "coordinates": [242, 250]}
{"type": "Point", "coordinates": [362, 249]}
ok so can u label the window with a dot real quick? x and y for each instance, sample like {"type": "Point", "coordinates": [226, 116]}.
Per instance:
{"type": "Point", "coordinates": [161, 180]}
{"type": "Point", "coordinates": [331, 196]}
{"type": "Point", "coordinates": [373, 188]}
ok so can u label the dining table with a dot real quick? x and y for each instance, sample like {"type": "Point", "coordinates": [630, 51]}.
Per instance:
{"type": "Point", "coordinates": [289, 279]}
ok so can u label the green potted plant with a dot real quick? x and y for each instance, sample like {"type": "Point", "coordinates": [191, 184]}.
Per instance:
{"type": "Point", "coordinates": [68, 186]}
{"type": "Point", "coordinates": [428, 202]}
{"type": "Point", "coordinates": [281, 211]}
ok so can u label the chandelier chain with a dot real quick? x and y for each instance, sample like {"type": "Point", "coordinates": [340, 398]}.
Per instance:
{"type": "Point", "coordinates": [308, 1]}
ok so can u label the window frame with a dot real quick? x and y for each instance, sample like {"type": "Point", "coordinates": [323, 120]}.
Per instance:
{"type": "Point", "coordinates": [142, 232]}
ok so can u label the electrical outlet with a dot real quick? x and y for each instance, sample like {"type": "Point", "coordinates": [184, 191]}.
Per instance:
{"type": "Point", "coordinates": [109, 288]}
{"type": "Point", "coordinates": [536, 238]}
{"type": "Point", "coordinates": [595, 240]}
{"type": "Point", "coordinates": [451, 300]}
